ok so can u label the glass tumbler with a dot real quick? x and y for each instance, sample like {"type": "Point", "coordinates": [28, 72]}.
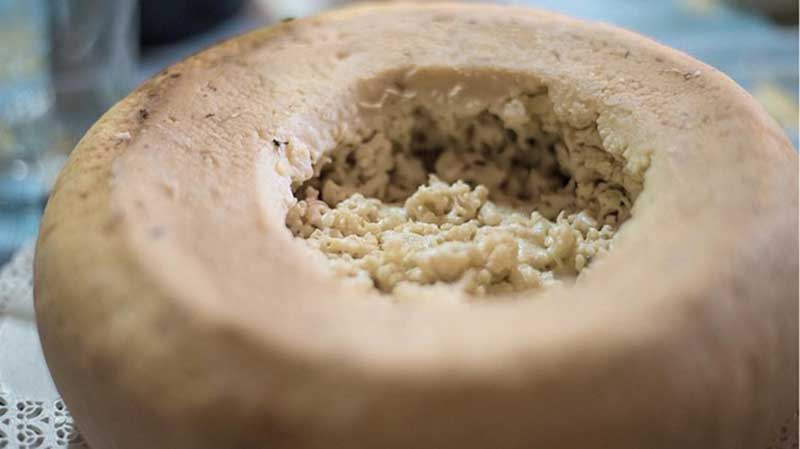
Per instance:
{"type": "Point", "coordinates": [62, 64]}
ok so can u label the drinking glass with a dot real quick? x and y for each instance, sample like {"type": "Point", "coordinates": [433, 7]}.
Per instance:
{"type": "Point", "coordinates": [62, 64]}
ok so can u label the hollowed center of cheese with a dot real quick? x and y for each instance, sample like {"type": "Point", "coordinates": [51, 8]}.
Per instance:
{"type": "Point", "coordinates": [504, 200]}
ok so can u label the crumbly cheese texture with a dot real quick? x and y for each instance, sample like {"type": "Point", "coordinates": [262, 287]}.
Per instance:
{"type": "Point", "coordinates": [450, 233]}
{"type": "Point", "coordinates": [503, 201]}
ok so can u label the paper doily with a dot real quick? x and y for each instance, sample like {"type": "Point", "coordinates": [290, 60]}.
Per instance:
{"type": "Point", "coordinates": [32, 415]}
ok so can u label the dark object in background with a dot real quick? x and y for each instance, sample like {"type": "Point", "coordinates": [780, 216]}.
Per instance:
{"type": "Point", "coordinates": [164, 22]}
{"type": "Point", "coordinates": [782, 11]}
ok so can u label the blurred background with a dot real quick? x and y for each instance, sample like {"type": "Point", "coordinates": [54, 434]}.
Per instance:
{"type": "Point", "coordinates": [64, 62]}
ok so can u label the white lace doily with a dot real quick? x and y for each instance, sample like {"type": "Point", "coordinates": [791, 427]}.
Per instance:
{"type": "Point", "coordinates": [32, 415]}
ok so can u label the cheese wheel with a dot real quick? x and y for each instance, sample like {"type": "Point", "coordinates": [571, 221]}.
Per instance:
{"type": "Point", "coordinates": [178, 310]}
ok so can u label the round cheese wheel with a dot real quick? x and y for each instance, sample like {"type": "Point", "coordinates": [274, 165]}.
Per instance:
{"type": "Point", "coordinates": [178, 310]}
